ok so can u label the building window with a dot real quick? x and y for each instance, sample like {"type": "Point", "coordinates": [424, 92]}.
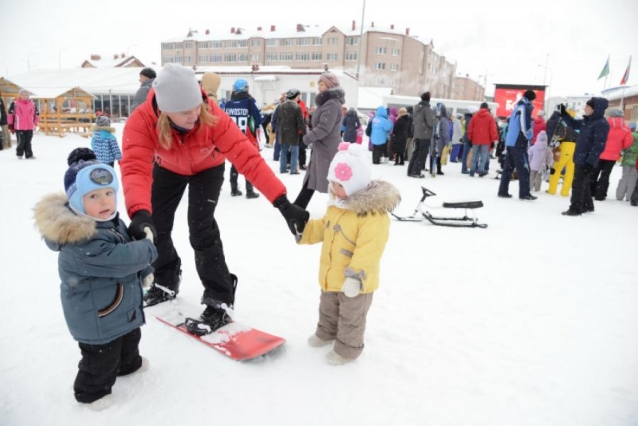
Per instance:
{"type": "Point", "coordinates": [304, 41]}
{"type": "Point", "coordinates": [255, 57]}
{"type": "Point", "coordinates": [242, 43]}
{"type": "Point", "coordinates": [333, 41]}
{"type": "Point", "coordinates": [230, 57]}
{"type": "Point", "coordinates": [332, 56]}
{"type": "Point", "coordinates": [352, 41]}
{"type": "Point", "coordinates": [255, 43]}
{"type": "Point", "coordinates": [217, 57]}
{"type": "Point", "coordinates": [379, 65]}
{"type": "Point", "coordinates": [272, 42]}
{"type": "Point", "coordinates": [634, 113]}
{"type": "Point", "coordinates": [394, 67]}
{"type": "Point", "coordinates": [351, 56]}
{"type": "Point", "coordinates": [286, 42]}
{"type": "Point", "coordinates": [216, 44]}
{"type": "Point", "coordinates": [379, 80]}
{"type": "Point", "coordinates": [242, 57]}
{"type": "Point", "coordinates": [396, 52]}
{"type": "Point", "coordinates": [285, 57]}
{"type": "Point", "coordinates": [302, 56]}
{"type": "Point", "coordinates": [316, 56]}
{"type": "Point", "coordinates": [380, 50]}
{"type": "Point", "coordinates": [230, 44]}
{"type": "Point", "coordinates": [317, 41]}
{"type": "Point", "coordinates": [271, 57]}
{"type": "Point", "coordinates": [189, 45]}
{"type": "Point", "coordinates": [168, 59]}
{"type": "Point", "coordinates": [202, 58]}
{"type": "Point", "coordinates": [203, 44]}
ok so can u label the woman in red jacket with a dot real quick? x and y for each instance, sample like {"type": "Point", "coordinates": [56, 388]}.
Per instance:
{"type": "Point", "coordinates": [180, 138]}
{"type": "Point", "coordinates": [619, 138]}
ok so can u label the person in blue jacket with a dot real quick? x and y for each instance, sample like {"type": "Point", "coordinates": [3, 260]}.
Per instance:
{"type": "Point", "coordinates": [381, 127]}
{"type": "Point", "coordinates": [243, 109]}
{"type": "Point", "coordinates": [592, 137]}
{"type": "Point", "coordinates": [519, 134]}
{"type": "Point", "coordinates": [104, 143]}
{"type": "Point", "coordinates": [102, 272]}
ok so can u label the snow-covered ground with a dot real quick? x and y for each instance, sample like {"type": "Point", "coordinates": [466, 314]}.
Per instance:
{"type": "Point", "coordinates": [532, 321]}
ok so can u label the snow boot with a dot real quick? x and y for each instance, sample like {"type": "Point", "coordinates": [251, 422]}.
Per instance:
{"type": "Point", "coordinates": [316, 342]}
{"type": "Point", "coordinates": [158, 293]}
{"type": "Point", "coordinates": [213, 318]}
{"type": "Point", "coordinates": [235, 192]}
{"type": "Point", "coordinates": [251, 194]}
{"type": "Point", "coordinates": [334, 358]}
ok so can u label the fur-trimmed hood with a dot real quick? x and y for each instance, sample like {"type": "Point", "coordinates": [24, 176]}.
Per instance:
{"type": "Point", "coordinates": [95, 128]}
{"type": "Point", "coordinates": [378, 197]}
{"type": "Point", "coordinates": [59, 225]}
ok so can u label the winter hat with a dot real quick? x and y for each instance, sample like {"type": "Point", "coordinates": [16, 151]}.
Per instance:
{"type": "Point", "coordinates": [530, 95]}
{"type": "Point", "coordinates": [402, 111]}
{"type": "Point", "coordinates": [148, 72]}
{"type": "Point", "coordinates": [177, 89]}
{"type": "Point", "coordinates": [484, 105]}
{"type": "Point", "coordinates": [472, 110]}
{"type": "Point", "coordinates": [590, 103]}
{"type": "Point", "coordinates": [210, 83]}
{"type": "Point", "coordinates": [329, 79]}
{"type": "Point", "coordinates": [425, 97]}
{"type": "Point", "coordinates": [292, 93]}
{"type": "Point", "coordinates": [25, 91]}
{"type": "Point", "coordinates": [86, 174]}
{"type": "Point", "coordinates": [351, 168]}
{"type": "Point", "coordinates": [616, 112]}
{"type": "Point", "coordinates": [542, 137]}
{"type": "Point", "coordinates": [103, 121]}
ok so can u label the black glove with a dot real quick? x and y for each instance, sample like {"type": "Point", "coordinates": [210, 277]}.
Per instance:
{"type": "Point", "coordinates": [140, 220]}
{"type": "Point", "coordinates": [562, 109]}
{"type": "Point", "coordinates": [295, 216]}
{"type": "Point", "coordinates": [552, 170]}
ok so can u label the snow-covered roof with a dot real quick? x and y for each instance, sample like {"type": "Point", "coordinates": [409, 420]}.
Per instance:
{"type": "Point", "coordinates": [53, 92]}
{"type": "Point", "coordinates": [111, 62]}
{"type": "Point", "coordinates": [8, 86]}
{"type": "Point", "coordinates": [620, 92]}
{"type": "Point", "coordinates": [286, 32]}
{"type": "Point", "coordinates": [117, 81]}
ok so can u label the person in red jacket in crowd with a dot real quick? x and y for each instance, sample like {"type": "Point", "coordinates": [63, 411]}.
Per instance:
{"type": "Point", "coordinates": [539, 125]}
{"type": "Point", "coordinates": [180, 137]}
{"type": "Point", "coordinates": [302, 146]}
{"type": "Point", "coordinates": [619, 138]}
{"type": "Point", "coordinates": [481, 133]}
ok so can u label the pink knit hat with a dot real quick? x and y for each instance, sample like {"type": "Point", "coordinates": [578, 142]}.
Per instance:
{"type": "Point", "coordinates": [329, 79]}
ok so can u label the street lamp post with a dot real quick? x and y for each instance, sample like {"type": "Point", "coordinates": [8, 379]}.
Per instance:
{"type": "Point", "coordinates": [551, 75]}
{"type": "Point", "coordinates": [363, 14]}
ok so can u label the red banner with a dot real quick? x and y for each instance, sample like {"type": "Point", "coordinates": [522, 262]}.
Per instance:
{"type": "Point", "coordinates": [508, 97]}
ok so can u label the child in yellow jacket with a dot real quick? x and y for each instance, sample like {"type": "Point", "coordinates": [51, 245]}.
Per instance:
{"type": "Point", "coordinates": [354, 232]}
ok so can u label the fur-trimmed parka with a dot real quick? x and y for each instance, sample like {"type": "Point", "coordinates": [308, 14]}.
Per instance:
{"type": "Point", "coordinates": [354, 233]}
{"type": "Point", "coordinates": [101, 270]}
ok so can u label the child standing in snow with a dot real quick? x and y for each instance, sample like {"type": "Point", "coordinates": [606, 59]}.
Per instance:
{"type": "Point", "coordinates": [354, 232]}
{"type": "Point", "coordinates": [102, 272]}
{"type": "Point", "coordinates": [104, 143]}
{"type": "Point", "coordinates": [540, 159]}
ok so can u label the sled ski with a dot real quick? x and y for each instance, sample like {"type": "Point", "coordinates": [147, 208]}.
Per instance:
{"type": "Point", "coordinates": [466, 221]}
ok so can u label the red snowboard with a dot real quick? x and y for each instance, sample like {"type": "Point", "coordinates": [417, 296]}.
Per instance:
{"type": "Point", "coordinates": [234, 340]}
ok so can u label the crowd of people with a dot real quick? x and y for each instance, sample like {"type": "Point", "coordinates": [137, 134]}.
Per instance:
{"type": "Point", "coordinates": [180, 136]}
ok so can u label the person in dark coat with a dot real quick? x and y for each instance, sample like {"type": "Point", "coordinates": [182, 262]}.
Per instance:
{"type": "Point", "coordinates": [291, 125]}
{"type": "Point", "coordinates": [402, 131]}
{"type": "Point", "coordinates": [351, 123]}
{"type": "Point", "coordinates": [5, 136]}
{"type": "Point", "coordinates": [324, 136]}
{"type": "Point", "coordinates": [147, 76]}
{"type": "Point", "coordinates": [592, 137]}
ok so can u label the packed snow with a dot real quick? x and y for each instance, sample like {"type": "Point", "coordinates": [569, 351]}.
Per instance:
{"type": "Point", "coordinates": [532, 321]}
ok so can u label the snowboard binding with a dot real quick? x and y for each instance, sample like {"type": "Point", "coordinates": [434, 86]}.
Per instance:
{"type": "Point", "coordinates": [420, 213]}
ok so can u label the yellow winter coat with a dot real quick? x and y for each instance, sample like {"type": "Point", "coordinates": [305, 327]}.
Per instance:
{"type": "Point", "coordinates": [354, 233]}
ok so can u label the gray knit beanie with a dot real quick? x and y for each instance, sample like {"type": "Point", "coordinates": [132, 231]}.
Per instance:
{"type": "Point", "coordinates": [616, 112]}
{"type": "Point", "coordinates": [103, 121]}
{"type": "Point", "coordinates": [177, 89]}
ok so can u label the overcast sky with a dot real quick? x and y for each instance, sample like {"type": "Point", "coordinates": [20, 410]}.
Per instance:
{"type": "Point", "coordinates": [562, 43]}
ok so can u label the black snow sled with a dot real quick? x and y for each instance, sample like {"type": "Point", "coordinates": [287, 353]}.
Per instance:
{"type": "Point", "coordinates": [421, 213]}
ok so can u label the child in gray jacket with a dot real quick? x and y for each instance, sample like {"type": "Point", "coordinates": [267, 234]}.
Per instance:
{"type": "Point", "coordinates": [102, 272]}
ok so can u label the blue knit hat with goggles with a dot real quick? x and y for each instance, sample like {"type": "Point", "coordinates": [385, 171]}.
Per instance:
{"type": "Point", "coordinates": [85, 174]}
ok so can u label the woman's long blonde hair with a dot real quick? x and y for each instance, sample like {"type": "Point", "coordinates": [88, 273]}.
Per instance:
{"type": "Point", "coordinates": [164, 125]}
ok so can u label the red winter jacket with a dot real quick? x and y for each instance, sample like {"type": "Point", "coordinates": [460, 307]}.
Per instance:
{"type": "Point", "coordinates": [539, 125]}
{"type": "Point", "coordinates": [200, 149]}
{"type": "Point", "coordinates": [619, 138]}
{"type": "Point", "coordinates": [482, 129]}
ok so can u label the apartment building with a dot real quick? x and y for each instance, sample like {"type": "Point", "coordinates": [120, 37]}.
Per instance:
{"type": "Point", "coordinates": [467, 89]}
{"type": "Point", "coordinates": [379, 57]}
